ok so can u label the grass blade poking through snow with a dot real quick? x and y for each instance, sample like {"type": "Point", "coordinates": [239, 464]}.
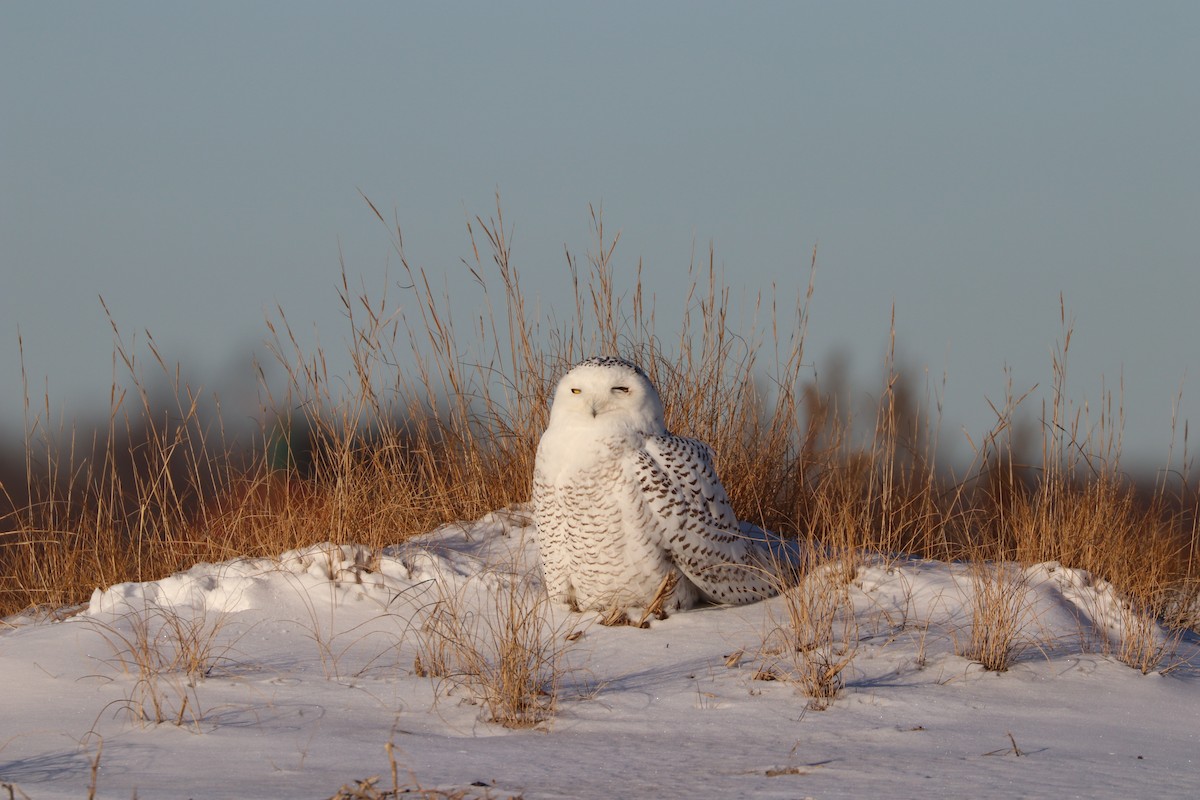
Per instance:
{"type": "Point", "coordinates": [999, 607]}
{"type": "Point", "coordinates": [169, 654]}
{"type": "Point", "coordinates": [817, 641]}
{"type": "Point", "coordinates": [507, 654]}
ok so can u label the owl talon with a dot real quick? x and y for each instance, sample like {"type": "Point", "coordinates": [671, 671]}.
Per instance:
{"type": "Point", "coordinates": [617, 616]}
{"type": "Point", "coordinates": [658, 604]}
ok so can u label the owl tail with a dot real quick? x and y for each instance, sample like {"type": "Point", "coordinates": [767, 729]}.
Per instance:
{"type": "Point", "coordinates": [787, 558]}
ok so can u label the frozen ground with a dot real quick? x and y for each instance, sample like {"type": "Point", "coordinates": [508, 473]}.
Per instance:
{"type": "Point", "coordinates": [309, 674]}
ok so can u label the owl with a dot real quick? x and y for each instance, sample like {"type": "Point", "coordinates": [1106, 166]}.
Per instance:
{"type": "Point", "coordinates": [629, 515]}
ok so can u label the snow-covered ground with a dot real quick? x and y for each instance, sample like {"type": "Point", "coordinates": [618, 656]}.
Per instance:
{"type": "Point", "coordinates": [307, 666]}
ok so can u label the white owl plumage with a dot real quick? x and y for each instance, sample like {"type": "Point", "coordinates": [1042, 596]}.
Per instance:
{"type": "Point", "coordinates": [621, 504]}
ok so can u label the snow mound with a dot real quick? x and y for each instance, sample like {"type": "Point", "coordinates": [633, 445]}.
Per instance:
{"type": "Point", "coordinates": [1050, 605]}
{"type": "Point", "coordinates": [502, 542]}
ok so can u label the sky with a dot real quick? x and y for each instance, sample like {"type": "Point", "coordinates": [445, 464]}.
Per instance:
{"type": "Point", "coordinates": [965, 164]}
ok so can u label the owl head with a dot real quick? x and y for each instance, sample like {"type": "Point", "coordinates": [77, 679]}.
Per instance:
{"type": "Point", "coordinates": [608, 392]}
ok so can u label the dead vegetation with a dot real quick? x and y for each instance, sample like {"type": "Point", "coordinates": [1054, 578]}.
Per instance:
{"type": "Point", "coordinates": [505, 652]}
{"type": "Point", "coordinates": [437, 422]}
{"type": "Point", "coordinates": [813, 646]}
{"type": "Point", "coordinates": [167, 654]}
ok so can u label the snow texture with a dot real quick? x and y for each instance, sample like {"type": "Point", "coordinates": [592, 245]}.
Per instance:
{"type": "Point", "coordinates": [309, 674]}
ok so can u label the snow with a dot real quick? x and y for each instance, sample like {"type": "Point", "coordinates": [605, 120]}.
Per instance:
{"type": "Point", "coordinates": [309, 675]}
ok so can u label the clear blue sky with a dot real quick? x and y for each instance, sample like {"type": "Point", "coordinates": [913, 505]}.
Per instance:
{"type": "Point", "coordinates": [198, 163]}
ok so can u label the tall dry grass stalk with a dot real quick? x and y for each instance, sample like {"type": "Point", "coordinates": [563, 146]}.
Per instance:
{"type": "Point", "coordinates": [168, 653]}
{"type": "Point", "coordinates": [433, 424]}
{"type": "Point", "coordinates": [439, 417]}
{"type": "Point", "coordinates": [1070, 502]}
{"type": "Point", "coordinates": [1000, 614]}
{"type": "Point", "coordinates": [125, 502]}
{"type": "Point", "coordinates": [814, 643]}
{"type": "Point", "coordinates": [506, 652]}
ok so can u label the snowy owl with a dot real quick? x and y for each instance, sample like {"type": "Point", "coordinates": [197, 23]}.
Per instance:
{"type": "Point", "coordinates": [626, 512]}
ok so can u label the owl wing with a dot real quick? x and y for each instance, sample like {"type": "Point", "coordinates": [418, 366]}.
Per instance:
{"type": "Point", "coordinates": [691, 512]}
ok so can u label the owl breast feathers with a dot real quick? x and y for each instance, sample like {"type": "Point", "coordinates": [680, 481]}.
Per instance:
{"type": "Point", "coordinates": [623, 508]}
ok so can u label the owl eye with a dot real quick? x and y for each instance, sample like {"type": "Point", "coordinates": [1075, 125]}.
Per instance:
{"type": "Point", "coordinates": [576, 391]}
{"type": "Point", "coordinates": [621, 389]}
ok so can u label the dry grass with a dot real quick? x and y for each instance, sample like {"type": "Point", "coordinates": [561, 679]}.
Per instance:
{"type": "Point", "coordinates": [505, 653]}
{"type": "Point", "coordinates": [1000, 616]}
{"type": "Point", "coordinates": [438, 421]}
{"type": "Point", "coordinates": [168, 654]}
{"type": "Point", "coordinates": [814, 645]}
{"type": "Point", "coordinates": [384, 452]}
{"type": "Point", "coordinates": [1143, 645]}
{"type": "Point", "coordinates": [372, 788]}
